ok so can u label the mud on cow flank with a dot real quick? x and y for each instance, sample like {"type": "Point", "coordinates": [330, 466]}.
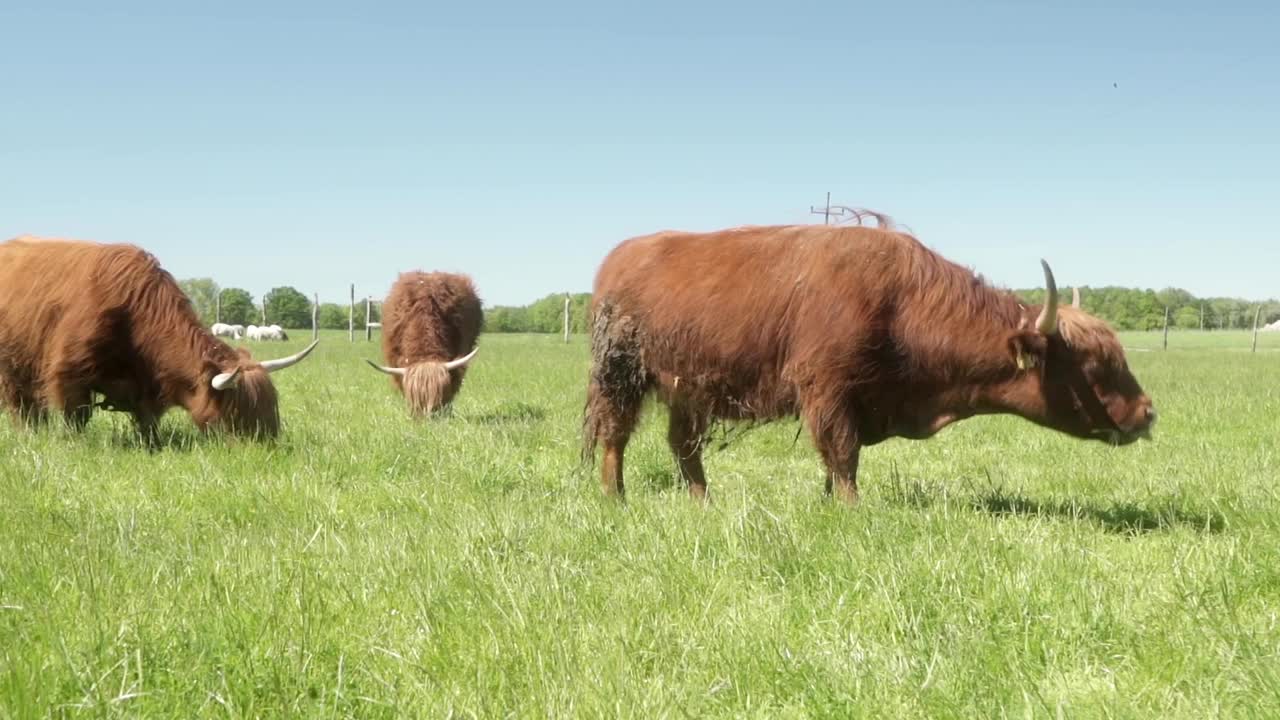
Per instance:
{"type": "Point", "coordinates": [430, 324]}
{"type": "Point", "coordinates": [864, 333]}
{"type": "Point", "coordinates": [79, 319]}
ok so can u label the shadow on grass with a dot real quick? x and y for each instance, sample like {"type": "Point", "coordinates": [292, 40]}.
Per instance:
{"type": "Point", "coordinates": [507, 413]}
{"type": "Point", "coordinates": [1125, 518]}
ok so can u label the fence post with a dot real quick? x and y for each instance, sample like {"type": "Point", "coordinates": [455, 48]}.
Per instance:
{"type": "Point", "coordinates": [368, 318]}
{"type": "Point", "coordinates": [1202, 317]}
{"type": "Point", "coordinates": [1166, 327]}
{"type": "Point", "coordinates": [1256, 313]}
{"type": "Point", "coordinates": [315, 318]}
{"type": "Point", "coordinates": [351, 316]}
{"type": "Point", "coordinates": [566, 317]}
{"type": "Point", "coordinates": [217, 313]}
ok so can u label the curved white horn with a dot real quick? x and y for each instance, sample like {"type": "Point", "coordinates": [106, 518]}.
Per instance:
{"type": "Point", "coordinates": [1047, 323]}
{"type": "Point", "coordinates": [222, 381]}
{"type": "Point", "coordinates": [1075, 298]}
{"type": "Point", "coordinates": [462, 361]}
{"type": "Point", "coordinates": [274, 365]}
{"type": "Point", "coordinates": [399, 372]}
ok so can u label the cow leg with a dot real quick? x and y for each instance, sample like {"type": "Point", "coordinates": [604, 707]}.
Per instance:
{"type": "Point", "coordinates": [615, 393]}
{"type": "Point", "coordinates": [75, 400]}
{"type": "Point", "coordinates": [77, 408]}
{"type": "Point", "coordinates": [842, 476]}
{"type": "Point", "coordinates": [23, 406]}
{"type": "Point", "coordinates": [614, 438]}
{"type": "Point", "coordinates": [610, 422]}
{"type": "Point", "coordinates": [611, 468]}
{"type": "Point", "coordinates": [20, 393]}
{"type": "Point", "coordinates": [837, 440]}
{"type": "Point", "coordinates": [685, 434]}
{"type": "Point", "coordinates": [148, 428]}
{"type": "Point", "coordinates": [31, 410]}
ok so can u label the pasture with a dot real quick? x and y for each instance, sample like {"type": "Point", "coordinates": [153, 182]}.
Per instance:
{"type": "Point", "coordinates": [369, 566]}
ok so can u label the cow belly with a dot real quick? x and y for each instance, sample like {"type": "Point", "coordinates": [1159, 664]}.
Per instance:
{"type": "Point", "coordinates": [727, 396]}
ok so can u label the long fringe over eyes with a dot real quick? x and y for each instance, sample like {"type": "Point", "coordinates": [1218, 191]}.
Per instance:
{"type": "Point", "coordinates": [427, 388]}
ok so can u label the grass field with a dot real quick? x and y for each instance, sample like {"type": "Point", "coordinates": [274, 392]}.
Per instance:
{"type": "Point", "coordinates": [369, 566]}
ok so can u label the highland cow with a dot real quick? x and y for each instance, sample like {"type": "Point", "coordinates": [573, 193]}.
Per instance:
{"type": "Point", "coordinates": [80, 319]}
{"type": "Point", "coordinates": [863, 333]}
{"type": "Point", "coordinates": [428, 321]}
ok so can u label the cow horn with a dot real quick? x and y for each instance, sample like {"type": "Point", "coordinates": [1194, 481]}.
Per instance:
{"type": "Point", "coordinates": [1075, 298]}
{"type": "Point", "coordinates": [222, 381]}
{"type": "Point", "coordinates": [274, 365]}
{"type": "Point", "coordinates": [1047, 323]}
{"type": "Point", "coordinates": [398, 372]}
{"type": "Point", "coordinates": [462, 361]}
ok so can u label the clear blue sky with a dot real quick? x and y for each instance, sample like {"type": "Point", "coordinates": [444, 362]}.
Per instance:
{"type": "Point", "coordinates": [315, 145]}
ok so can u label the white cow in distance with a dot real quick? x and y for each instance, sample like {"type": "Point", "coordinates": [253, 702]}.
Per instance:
{"type": "Point", "coordinates": [270, 332]}
{"type": "Point", "coordinates": [225, 330]}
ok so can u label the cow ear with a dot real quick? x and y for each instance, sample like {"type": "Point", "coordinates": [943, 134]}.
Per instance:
{"type": "Point", "coordinates": [1028, 350]}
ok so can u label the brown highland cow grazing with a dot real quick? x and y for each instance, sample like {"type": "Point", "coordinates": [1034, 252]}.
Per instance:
{"type": "Point", "coordinates": [864, 333]}
{"type": "Point", "coordinates": [428, 321]}
{"type": "Point", "coordinates": [79, 318]}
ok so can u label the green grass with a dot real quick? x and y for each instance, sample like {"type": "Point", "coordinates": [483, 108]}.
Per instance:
{"type": "Point", "coordinates": [1230, 341]}
{"type": "Point", "coordinates": [370, 566]}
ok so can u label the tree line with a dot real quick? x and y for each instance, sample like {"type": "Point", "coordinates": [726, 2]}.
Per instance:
{"type": "Point", "coordinates": [1138, 309]}
{"type": "Point", "coordinates": [545, 315]}
{"type": "Point", "coordinates": [1124, 308]}
{"type": "Point", "coordinates": [285, 306]}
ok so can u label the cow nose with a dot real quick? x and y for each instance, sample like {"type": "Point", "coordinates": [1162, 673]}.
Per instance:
{"type": "Point", "coordinates": [1151, 415]}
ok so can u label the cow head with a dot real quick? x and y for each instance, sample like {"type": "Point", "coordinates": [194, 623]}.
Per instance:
{"type": "Point", "coordinates": [1073, 369]}
{"type": "Point", "coordinates": [429, 386]}
{"type": "Point", "coordinates": [242, 399]}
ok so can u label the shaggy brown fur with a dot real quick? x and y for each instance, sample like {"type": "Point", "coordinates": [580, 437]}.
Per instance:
{"type": "Point", "coordinates": [79, 318]}
{"type": "Point", "coordinates": [428, 320]}
{"type": "Point", "coordinates": [863, 332]}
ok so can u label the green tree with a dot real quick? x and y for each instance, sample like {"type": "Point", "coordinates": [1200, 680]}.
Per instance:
{"type": "Point", "coordinates": [1175, 298]}
{"type": "Point", "coordinates": [288, 308]}
{"type": "Point", "coordinates": [203, 293]}
{"type": "Point", "coordinates": [506, 319]}
{"type": "Point", "coordinates": [579, 308]}
{"type": "Point", "coordinates": [238, 307]}
{"type": "Point", "coordinates": [1187, 317]}
{"type": "Point", "coordinates": [333, 316]}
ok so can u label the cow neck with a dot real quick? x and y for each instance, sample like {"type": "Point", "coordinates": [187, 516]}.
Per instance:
{"type": "Point", "coordinates": [977, 370]}
{"type": "Point", "coordinates": [185, 371]}
{"type": "Point", "coordinates": [969, 344]}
